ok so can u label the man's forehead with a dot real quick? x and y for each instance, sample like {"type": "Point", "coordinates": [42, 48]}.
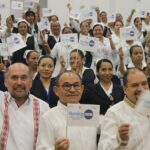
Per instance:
{"type": "Point", "coordinates": [69, 77]}
{"type": "Point", "coordinates": [134, 77]}
{"type": "Point", "coordinates": [18, 70]}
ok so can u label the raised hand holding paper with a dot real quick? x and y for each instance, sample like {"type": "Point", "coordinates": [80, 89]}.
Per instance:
{"type": "Point", "coordinates": [143, 105]}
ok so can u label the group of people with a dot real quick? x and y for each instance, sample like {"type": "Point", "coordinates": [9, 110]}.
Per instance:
{"type": "Point", "coordinates": [38, 81]}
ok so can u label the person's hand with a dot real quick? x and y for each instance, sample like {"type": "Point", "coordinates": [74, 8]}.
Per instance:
{"type": "Point", "coordinates": [124, 132]}
{"type": "Point", "coordinates": [62, 144]}
{"type": "Point", "coordinates": [132, 11]}
{"type": "Point", "coordinates": [121, 54]}
{"type": "Point", "coordinates": [62, 61]}
{"type": "Point", "coordinates": [97, 10]}
{"type": "Point", "coordinates": [42, 35]}
{"type": "Point", "coordinates": [69, 7]}
{"type": "Point", "coordinates": [2, 67]}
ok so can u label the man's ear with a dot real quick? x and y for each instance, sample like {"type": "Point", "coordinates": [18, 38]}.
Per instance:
{"type": "Point", "coordinates": [56, 90]}
{"type": "Point", "coordinates": [124, 89]}
{"type": "Point", "coordinates": [5, 83]}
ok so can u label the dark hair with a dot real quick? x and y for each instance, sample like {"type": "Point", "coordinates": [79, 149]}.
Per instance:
{"type": "Point", "coordinates": [106, 29]}
{"type": "Point", "coordinates": [30, 13]}
{"type": "Point", "coordinates": [43, 57]}
{"type": "Point", "coordinates": [83, 22]}
{"type": "Point", "coordinates": [118, 21]}
{"type": "Point", "coordinates": [53, 16]}
{"type": "Point", "coordinates": [80, 52]}
{"type": "Point", "coordinates": [68, 71]}
{"type": "Point", "coordinates": [129, 71]}
{"type": "Point", "coordinates": [99, 63]}
{"type": "Point", "coordinates": [29, 53]}
{"type": "Point", "coordinates": [66, 28]}
{"type": "Point", "coordinates": [132, 47]}
{"type": "Point", "coordinates": [97, 25]}
{"type": "Point", "coordinates": [136, 18]}
{"type": "Point", "coordinates": [103, 12]}
{"type": "Point", "coordinates": [23, 22]}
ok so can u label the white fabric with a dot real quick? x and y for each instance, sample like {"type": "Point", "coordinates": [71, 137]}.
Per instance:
{"type": "Point", "coordinates": [117, 115]}
{"type": "Point", "coordinates": [104, 51]}
{"type": "Point", "coordinates": [145, 27]}
{"type": "Point", "coordinates": [54, 127]}
{"type": "Point", "coordinates": [21, 123]}
{"type": "Point", "coordinates": [61, 50]}
{"type": "Point", "coordinates": [109, 91]}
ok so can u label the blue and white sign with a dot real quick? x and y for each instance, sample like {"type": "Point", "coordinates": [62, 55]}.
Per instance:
{"type": "Point", "coordinates": [74, 15]}
{"type": "Point", "coordinates": [87, 14]}
{"type": "Point", "coordinates": [87, 43]}
{"type": "Point", "coordinates": [142, 14]}
{"type": "Point", "coordinates": [29, 3]}
{"type": "Point", "coordinates": [15, 42]}
{"type": "Point", "coordinates": [83, 115]}
{"type": "Point", "coordinates": [17, 5]}
{"type": "Point", "coordinates": [4, 50]}
{"type": "Point", "coordinates": [128, 33]}
{"type": "Point", "coordinates": [111, 17]}
{"type": "Point", "coordinates": [44, 24]}
{"type": "Point", "coordinates": [47, 12]}
{"type": "Point", "coordinates": [2, 5]}
{"type": "Point", "coordinates": [69, 39]}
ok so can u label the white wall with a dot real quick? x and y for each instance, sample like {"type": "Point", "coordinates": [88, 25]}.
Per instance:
{"type": "Point", "coordinates": [122, 6]}
{"type": "Point", "coordinates": [59, 6]}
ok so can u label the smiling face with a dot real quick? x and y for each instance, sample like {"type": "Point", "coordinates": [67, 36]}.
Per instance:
{"type": "Point", "coordinates": [23, 28]}
{"type": "Point", "coordinates": [98, 31]}
{"type": "Point", "coordinates": [18, 81]}
{"type": "Point", "coordinates": [72, 94]}
{"type": "Point", "coordinates": [117, 26]}
{"type": "Point", "coordinates": [136, 84]}
{"type": "Point", "coordinates": [32, 60]}
{"type": "Point", "coordinates": [75, 60]}
{"type": "Point", "coordinates": [46, 68]}
{"type": "Point", "coordinates": [84, 28]}
{"type": "Point", "coordinates": [105, 72]}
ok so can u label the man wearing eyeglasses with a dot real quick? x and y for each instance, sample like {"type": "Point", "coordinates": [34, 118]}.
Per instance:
{"type": "Point", "coordinates": [54, 134]}
{"type": "Point", "coordinates": [123, 128]}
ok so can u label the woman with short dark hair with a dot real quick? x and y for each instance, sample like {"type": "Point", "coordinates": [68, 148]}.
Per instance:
{"type": "Point", "coordinates": [108, 90]}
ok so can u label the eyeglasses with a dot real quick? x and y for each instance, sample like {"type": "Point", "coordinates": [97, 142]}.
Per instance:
{"type": "Point", "coordinates": [67, 87]}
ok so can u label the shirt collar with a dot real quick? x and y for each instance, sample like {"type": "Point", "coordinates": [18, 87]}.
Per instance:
{"type": "Point", "coordinates": [10, 98]}
{"type": "Point", "coordinates": [128, 102]}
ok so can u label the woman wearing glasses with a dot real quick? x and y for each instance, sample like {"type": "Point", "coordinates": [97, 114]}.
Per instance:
{"type": "Point", "coordinates": [106, 92]}
{"type": "Point", "coordinates": [42, 86]}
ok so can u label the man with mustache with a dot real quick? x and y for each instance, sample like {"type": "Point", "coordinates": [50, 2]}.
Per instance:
{"type": "Point", "coordinates": [54, 134]}
{"type": "Point", "coordinates": [123, 127]}
{"type": "Point", "coordinates": [20, 111]}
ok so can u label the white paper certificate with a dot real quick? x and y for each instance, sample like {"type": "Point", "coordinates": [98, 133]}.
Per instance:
{"type": "Point", "coordinates": [83, 115]}
{"type": "Point", "coordinates": [128, 33]}
{"type": "Point", "coordinates": [15, 43]}
{"type": "Point", "coordinates": [69, 39]}
{"type": "Point", "coordinates": [16, 5]}
{"type": "Point", "coordinates": [87, 43]}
